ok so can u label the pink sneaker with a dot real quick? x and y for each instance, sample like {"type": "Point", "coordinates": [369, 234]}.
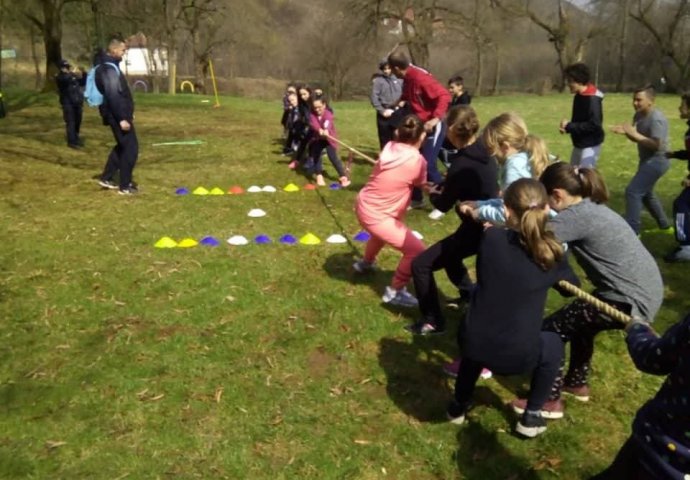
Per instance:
{"type": "Point", "coordinates": [344, 181]}
{"type": "Point", "coordinates": [292, 165]}
{"type": "Point", "coordinates": [320, 181]}
{"type": "Point", "coordinates": [451, 369]}
{"type": "Point", "coordinates": [552, 409]}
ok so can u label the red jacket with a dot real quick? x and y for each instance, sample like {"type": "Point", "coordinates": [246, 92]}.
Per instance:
{"type": "Point", "coordinates": [427, 98]}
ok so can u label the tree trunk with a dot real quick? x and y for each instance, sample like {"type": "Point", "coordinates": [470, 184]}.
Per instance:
{"type": "Point", "coordinates": [497, 72]}
{"type": "Point", "coordinates": [52, 41]}
{"type": "Point", "coordinates": [480, 71]}
{"type": "Point", "coordinates": [621, 47]}
{"type": "Point", "coordinates": [98, 40]}
{"type": "Point", "coordinates": [34, 56]}
{"type": "Point", "coordinates": [172, 71]}
{"type": "Point", "coordinates": [2, 7]}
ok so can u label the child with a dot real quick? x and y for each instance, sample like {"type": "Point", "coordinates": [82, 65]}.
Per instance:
{"type": "Point", "coordinates": [623, 272]}
{"type": "Point", "coordinates": [323, 134]}
{"type": "Point", "coordinates": [472, 176]}
{"type": "Point", "coordinates": [385, 94]}
{"type": "Point", "coordinates": [519, 155]}
{"type": "Point", "coordinates": [289, 90]}
{"type": "Point", "coordinates": [382, 203]}
{"type": "Point", "coordinates": [659, 447]}
{"type": "Point", "coordinates": [302, 125]}
{"type": "Point", "coordinates": [649, 131]}
{"type": "Point", "coordinates": [292, 118]}
{"type": "Point", "coordinates": [584, 126]}
{"type": "Point", "coordinates": [459, 96]}
{"type": "Point", "coordinates": [681, 205]}
{"type": "Point", "coordinates": [516, 266]}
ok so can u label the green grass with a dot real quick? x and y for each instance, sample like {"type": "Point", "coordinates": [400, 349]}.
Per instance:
{"type": "Point", "coordinates": [119, 360]}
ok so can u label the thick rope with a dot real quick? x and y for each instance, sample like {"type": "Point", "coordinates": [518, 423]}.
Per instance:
{"type": "Point", "coordinates": [602, 306]}
{"type": "Point", "coordinates": [352, 149]}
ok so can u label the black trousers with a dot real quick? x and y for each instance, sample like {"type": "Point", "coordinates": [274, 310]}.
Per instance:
{"type": "Point", "coordinates": [447, 254]}
{"type": "Point", "coordinates": [72, 114]}
{"type": "Point", "coordinates": [123, 156]}
{"type": "Point", "coordinates": [385, 128]}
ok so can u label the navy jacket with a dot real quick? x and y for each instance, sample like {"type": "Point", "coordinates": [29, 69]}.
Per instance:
{"type": "Point", "coordinates": [70, 88]}
{"type": "Point", "coordinates": [118, 103]}
{"type": "Point", "coordinates": [585, 125]}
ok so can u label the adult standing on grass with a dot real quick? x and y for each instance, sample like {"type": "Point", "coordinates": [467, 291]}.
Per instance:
{"type": "Point", "coordinates": [429, 100]}
{"type": "Point", "coordinates": [649, 130]}
{"type": "Point", "coordinates": [70, 86]}
{"type": "Point", "coordinates": [385, 93]}
{"type": "Point", "coordinates": [584, 126]}
{"type": "Point", "coordinates": [117, 112]}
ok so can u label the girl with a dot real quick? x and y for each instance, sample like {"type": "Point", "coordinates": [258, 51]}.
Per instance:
{"type": "Point", "coordinates": [301, 126]}
{"type": "Point", "coordinates": [681, 205]}
{"type": "Point", "coordinates": [502, 331]}
{"type": "Point", "coordinates": [472, 176]}
{"type": "Point", "coordinates": [623, 273]}
{"type": "Point", "coordinates": [382, 203]}
{"type": "Point", "coordinates": [519, 154]}
{"type": "Point", "coordinates": [323, 132]}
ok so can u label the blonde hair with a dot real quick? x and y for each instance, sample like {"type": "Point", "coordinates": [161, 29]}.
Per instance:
{"type": "Point", "coordinates": [510, 128]}
{"type": "Point", "coordinates": [527, 200]}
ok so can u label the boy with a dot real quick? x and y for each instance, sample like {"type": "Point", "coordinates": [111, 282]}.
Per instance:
{"type": "Point", "coordinates": [456, 87]}
{"type": "Point", "coordinates": [584, 126]}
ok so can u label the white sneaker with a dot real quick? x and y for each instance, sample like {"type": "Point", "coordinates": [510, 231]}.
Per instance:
{"type": "Point", "coordinates": [436, 214]}
{"type": "Point", "coordinates": [401, 298]}
{"type": "Point", "coordinates": [362, 266]}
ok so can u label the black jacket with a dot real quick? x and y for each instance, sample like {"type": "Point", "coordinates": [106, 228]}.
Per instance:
{"type": "Point", "coordinates": [585, 125]}
{"type": "Point", "coordinates": [684, 154]}
{"type": "Point", "coordinates": [70, 88]}
{"type": "Point", "coordinates": [463, 99]}
{"type": "Point", "coordinates": [118, 104]}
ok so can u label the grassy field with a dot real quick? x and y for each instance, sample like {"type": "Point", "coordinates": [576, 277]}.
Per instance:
{"type": "Point", "coordinates": [119, 360]}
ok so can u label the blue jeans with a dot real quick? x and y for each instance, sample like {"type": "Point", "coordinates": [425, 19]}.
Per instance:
{"type": "Point", "coordinates": [430, 150]}
{"type": "Point", "coordinates": [640, 191]}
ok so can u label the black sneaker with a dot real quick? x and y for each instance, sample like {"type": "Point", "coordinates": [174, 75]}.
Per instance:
{"type": "Point", "coordinates": [108, 184]}
{"type": "Point", "coordinates": [425, 328]}
{"type": "Point", "coordinates": [531, 424]}
{"type": "Point", "coordinates": [456, 412]}
{"type": "Point", "coordinates": [459, 302]}
{"type": "Point", "coordinates": [127, 191]}
{"type": "Point", "coordinates": [134, 187]}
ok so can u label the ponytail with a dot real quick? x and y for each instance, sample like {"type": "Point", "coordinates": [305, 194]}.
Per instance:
{"type": "Point", "coordinates": [538, 154]}
{"type": "Point", "coordinates": [582, 182]}
{"type": "Point", "coordinates": [410, 130]}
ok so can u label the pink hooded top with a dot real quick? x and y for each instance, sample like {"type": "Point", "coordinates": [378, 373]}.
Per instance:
{"type": "Point", "coordinates": [325, 122]}
{"type": "Point", "coordinates": [388, 191]}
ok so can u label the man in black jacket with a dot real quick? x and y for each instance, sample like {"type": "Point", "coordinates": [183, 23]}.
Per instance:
{"type": "Point", "coordinates": [117, 112]}
{"type": "Point", "coordinates": [72, 101]}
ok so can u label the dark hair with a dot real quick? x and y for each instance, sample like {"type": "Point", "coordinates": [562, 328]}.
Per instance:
{"type": "Point", "coordinates": [527, 199]}
{"type": "Point", "coordinates": [462, 123]}
{"type": "Point", "coordinates": [648, 90]}
{"type": "Point", "coordinates": [409, 130]}
{"type": "Point", "coordinates": [398, 59]}
{"type": "Point", "coordinates": [318, 98]}
{"type": "Point", "coordinates": [456, 80]}
{"type": "Point", "coordinates": [582, 182]}
{"type": "Point", "coordinates": [686, 98]}
{"type": "Point", "coordinates": [577, 72]}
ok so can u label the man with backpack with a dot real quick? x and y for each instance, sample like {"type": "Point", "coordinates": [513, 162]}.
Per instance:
{"type": "Point", "coordinates": [71, 100]}
{"type": "Point", "coordinates": [117, 110]}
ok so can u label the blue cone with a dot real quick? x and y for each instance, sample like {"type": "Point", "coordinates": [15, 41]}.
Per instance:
{"type": "Point", "coordinates": [262, 239]}
{"type": "Point", "coordinates": [362, 236]}
{"type": "Point", "coordinates": [182, 191]}
{"type": "Point", "coordinates": [287, 239]}
{"type": "Point", "coordinates": [334, 186]}
{"type": "Point", "coordinates": [209, 242]}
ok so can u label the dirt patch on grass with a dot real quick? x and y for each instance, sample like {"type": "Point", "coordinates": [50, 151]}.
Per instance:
{"type": "Point", "coordinates": [320, 363]}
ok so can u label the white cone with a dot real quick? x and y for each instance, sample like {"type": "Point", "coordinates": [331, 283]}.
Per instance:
{"type": "Point", "coordinates": [237, 240]}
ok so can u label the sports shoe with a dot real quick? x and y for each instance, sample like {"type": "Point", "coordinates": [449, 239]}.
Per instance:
{"type": "Point", "coordinates": [292, 165]}
{"type": "Point", "coordinates": [667, 230]}
{"type": "Point", "coordinates": [425, 328]}
{"type": "Point", "coordinates": [552, 409]}
{"type": "Point", "coordinates": [344, 181]}
{"type": "Point", "coordinates": [436, 214]}
{"type": "Point", "coordinates": [451, 369]}
{"type": "Point", "coordinates": [401, 298]}
{"type": "Point", "coordinates": [456, 412]}
{"type": "Point", "coordinates": [127, 191]}
{"type": "Point", "coordinates": [108, 184]}
{"type": "Point", "coordinates": [531, 424]}
{"type": "Point", "coordinates": [416, 205]}
{"type": "Point", "coordinates": [580, 393]}
{"type": "Point", "coordinates": [320, 181]}
{"type": "Point", "coordinates": [680, 254]}
{"type": "Point", "coordinates": [457, 303]}
{"type": "Point", "coordinates": [362, 266]}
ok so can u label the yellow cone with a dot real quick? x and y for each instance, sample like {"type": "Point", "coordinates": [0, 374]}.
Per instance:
{"type": "Point", "coordinates": [187, 242]}
{"type": "Point", "coordinates": [200, 191]}
{"type": "Point", "coordinates": [165, 242]}
{"type": "Point", "coordinates": [216, 191]}
{"type": "Point", "coordinates": [291, 187]}
{"type": "Point", "coordinates": [310, 239]}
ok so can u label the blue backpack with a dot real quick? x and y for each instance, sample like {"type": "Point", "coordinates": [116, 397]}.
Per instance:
{"type": "Point", "coordinates": [92, 95]}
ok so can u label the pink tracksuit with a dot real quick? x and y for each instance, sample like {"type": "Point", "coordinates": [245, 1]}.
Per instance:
{"type": "Point", "coordinates": [382, 204]}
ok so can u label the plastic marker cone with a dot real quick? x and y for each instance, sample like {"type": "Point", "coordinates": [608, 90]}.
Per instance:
{"type": "Point", "coordinates": [165, 242]}
{"type": "Point", "coordinates": [336, 238]}
{"type": "Point", "coordinates": [254, 189]}
{"type": "Point", "coordinates": [262, 239]}
{"type": "Point", "coordinates": [291, 187]}
{"type": "Point", "coordinates": [334, 186]}
{"type": "Point", "coordinates": [256, 212]}
{"type": "Point", "coordinates": [187, 243]}
{"type": "Point", "coordinates": [269, 189]}
{"type": "Point", "coordinates": [182, 191]}
{"type": "Point", "coordinates": [362, 236]}
{"type": "Point", "coordinates": [216, 191]}
{"type": "Point", "coordinates": [237, 240]}
{"type": "Point", "coordinates": [309, 186]}
{"type": "Point", "coordinates": [209, 242]}
{"type": "Point", "coordinates": [417, 234]}
{"type": "Point", "coordinates": [235, 190]}
{"type": "Point", "coordinates": [310, 239]}
{"type": "Point", "coordinates": [287, 239]}
{"type": "Point", "coordinates": [200, 191]}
